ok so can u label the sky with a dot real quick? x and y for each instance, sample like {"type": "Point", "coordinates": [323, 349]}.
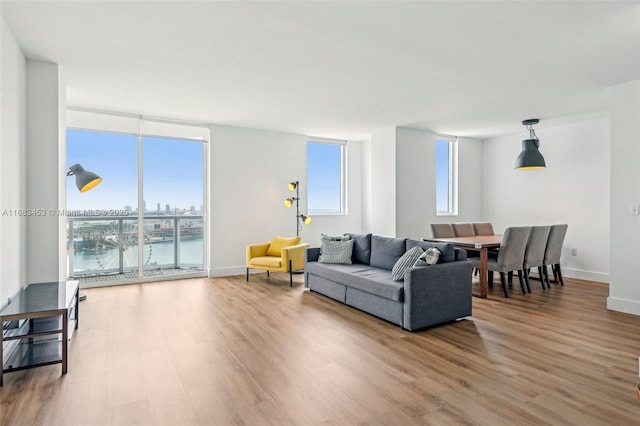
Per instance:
{"type": "Point", "coordinates": [442, 176]}
{"type": "Point", "coordinates": [324, 175]}
{"type": "Point", "coordinates": [173, 171]}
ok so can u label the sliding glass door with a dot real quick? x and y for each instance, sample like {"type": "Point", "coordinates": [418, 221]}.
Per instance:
{"type": "Point", "coordinates": [173, 193]}
{"type": "Point", "coordinates": [146, 219]}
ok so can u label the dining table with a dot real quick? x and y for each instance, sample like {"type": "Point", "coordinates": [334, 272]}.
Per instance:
{"type": "Point", "coordinates": [480, 243]}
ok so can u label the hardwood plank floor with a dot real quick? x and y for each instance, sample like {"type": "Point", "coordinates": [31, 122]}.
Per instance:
{"type": "Point", "coordinates": [222, 352]}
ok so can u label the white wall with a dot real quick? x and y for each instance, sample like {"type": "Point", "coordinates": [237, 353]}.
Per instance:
{"type": "Point", "coordinates": [44, 127]}
{"type": "Point", "coordinates": [379, 190]}
{"type": "Point", "coordinates": [573, 189]}
{"type": "Point", "coordinates": [624, 284]}
{"type": "Point", "coordinates": [12, 165]}
{"type": "Point", "coordinates": [250, 170]}
{"type": "Point", "coordinates": [416, 182]}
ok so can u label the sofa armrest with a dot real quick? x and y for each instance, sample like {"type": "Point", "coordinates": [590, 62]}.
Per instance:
{"type": "Point", "coordinates": [436, 294]}
{"type": "Point", "coordinates": [312, 254]}
{"type": "Point", "coordinates": [256, 250]}
{"type": "Point", "coordinates": [295, 254]}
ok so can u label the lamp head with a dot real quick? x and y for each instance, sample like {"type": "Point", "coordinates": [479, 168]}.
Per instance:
{"type": "Point", "coordinates": [85, 180]}
{"type": "Point", "coordinates": [292, 186]}
{"type": "Point", "coordinates": [289, 202]}
{"type": "Point", "coordinates": [305, 219]}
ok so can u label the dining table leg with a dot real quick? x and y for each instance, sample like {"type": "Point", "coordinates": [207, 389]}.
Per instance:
{"type": "Point", "coordinates": [484, 285]}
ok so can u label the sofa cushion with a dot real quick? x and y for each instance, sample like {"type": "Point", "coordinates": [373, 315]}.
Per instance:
{"type": "Point", "coordinates": [336, 252]}
{"type": "Point", "coordinates": [278, 243]}
{"type": "Point", "coordinates": [266, 261]}
{"type": "Point", "coordinates": [407, 260]}
{"type": "Point", "coordinates": [447, 252]}
{"type": "Point", "coordinates": [386, 251]}
{"type": "Point", "coordinates": [361, 248]}
{"type": "Point", "coordinates": [362, 277]}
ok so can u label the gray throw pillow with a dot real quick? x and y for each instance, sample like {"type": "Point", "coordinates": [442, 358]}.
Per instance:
{"type": "Point", "coordinates": [405, 262]}
{"type": "Point", "coordinates": [336, 252]}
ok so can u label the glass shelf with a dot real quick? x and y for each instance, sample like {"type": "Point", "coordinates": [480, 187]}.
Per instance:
{"type": "Point", "coordinates": [35, 353]}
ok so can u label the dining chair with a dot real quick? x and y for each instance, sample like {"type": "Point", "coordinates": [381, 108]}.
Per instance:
{"type": "Point", "coordinates": [510, 257]}
{"type": "Point", "coordinates": [553, 252]}
{"type": "Point", "coordinates": [482, 228]}
{"type": "Point", "coordinates": [442, 230]}
{"type": "Point", "coordinates": [534, 254]}
{"type": "Point", "coordinates": [463, 230]}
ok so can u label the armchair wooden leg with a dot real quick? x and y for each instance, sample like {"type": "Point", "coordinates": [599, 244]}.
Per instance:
{"type": "Point", "coordinates": [267, 274]}
{"type": "Point", "coordinates": [290, 275]}
{"type": "Point", "coordinates": [247, 274]}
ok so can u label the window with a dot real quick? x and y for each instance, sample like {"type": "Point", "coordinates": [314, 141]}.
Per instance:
{"type": "Point", "coordinates": [146, 218]}
{"type": "Point", "coordinates": [326, 177]}
{"type": "Point", "coordinates": [446, 176]}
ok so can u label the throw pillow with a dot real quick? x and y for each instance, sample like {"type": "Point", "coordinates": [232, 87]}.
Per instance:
{"type": "Point", "coordinates": [336, 252]}
{"type": "Point", "coordinates": [429, 257]}
{"type": "Point", "coordinates": [325, 237]}
{"type": "Point", "coordinates": [405, 262]}
{"type": "Point", "coordinates": [278, 243]}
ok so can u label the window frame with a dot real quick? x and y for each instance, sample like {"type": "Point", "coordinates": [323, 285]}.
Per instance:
{"type": "Point", "coordinates": [452, 176]}
{"type": "Point", "coordinates": [343, 177]}
{"type": "Point", "coordinates": [148, 127]}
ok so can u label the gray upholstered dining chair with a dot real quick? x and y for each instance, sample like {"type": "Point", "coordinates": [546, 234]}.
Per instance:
{"type": "Point", "coordinates": [554, 251]}
{"type": "Point", "coordinates": [442, 230]}
{"type": "Point", "coordinates": [510, 257]}
{"type": "Point", "coordinates": [482, 228]}
{"type": "Point", "coordinates": [463, 230]}
{"type": "Point", "coordinates": [534, 254]}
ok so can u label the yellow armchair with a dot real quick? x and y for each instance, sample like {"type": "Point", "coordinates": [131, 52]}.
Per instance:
{"type": "Point", "coordinates": [280, 254]}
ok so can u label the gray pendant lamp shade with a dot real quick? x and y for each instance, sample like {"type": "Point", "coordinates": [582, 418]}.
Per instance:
{"type": "Point", "coordinates": [530, 158]}
{"type": "Point", "coordinates": [85, 180]}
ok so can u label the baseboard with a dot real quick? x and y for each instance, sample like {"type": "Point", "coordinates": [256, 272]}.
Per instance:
{"type": "Point", "coordinates": [578, 274]}
{"type": "Point", "coordinates": [623, 305]}
{"type": "Point", "coordinates": [228, 271]}
{"type": "Point", "coordinates": [601, 277]}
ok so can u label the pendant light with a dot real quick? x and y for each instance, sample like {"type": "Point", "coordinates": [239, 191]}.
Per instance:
{"type": "Point", "coordinates": [530, 158]}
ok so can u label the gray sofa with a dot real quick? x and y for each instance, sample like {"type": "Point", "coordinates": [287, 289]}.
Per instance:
{"type": "Point", "coordinates": [429, 295]}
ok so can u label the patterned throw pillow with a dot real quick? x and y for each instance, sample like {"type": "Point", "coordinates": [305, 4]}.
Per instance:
{"type": "Point", "coordinates": [325, 237]}
{"type": "Point", "coordinates": [429, 257]}
{"type": "Point", "coordinates": [336, 252]}
{"type": "Point", "coordinates": [405, 262]}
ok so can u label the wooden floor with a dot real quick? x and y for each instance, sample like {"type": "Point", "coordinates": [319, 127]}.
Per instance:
{"type": "Point", "coordinates": [223, 352]}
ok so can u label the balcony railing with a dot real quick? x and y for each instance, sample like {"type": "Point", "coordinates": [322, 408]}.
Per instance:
{"type": "Point", "coordinates": [109, 245]}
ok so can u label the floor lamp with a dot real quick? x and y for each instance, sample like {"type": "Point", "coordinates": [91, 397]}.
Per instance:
{"type": "Point", "coordinates": [300, 218]}
{"type": "Point", "coordinates": [85, 180]}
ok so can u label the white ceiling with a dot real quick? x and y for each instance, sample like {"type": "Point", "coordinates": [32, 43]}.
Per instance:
{"type": "Point", "coordinates": [338, 69]}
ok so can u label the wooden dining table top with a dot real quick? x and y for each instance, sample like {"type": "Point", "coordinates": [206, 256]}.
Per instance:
{"type": "Point", "coordinates": [477, 241]}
